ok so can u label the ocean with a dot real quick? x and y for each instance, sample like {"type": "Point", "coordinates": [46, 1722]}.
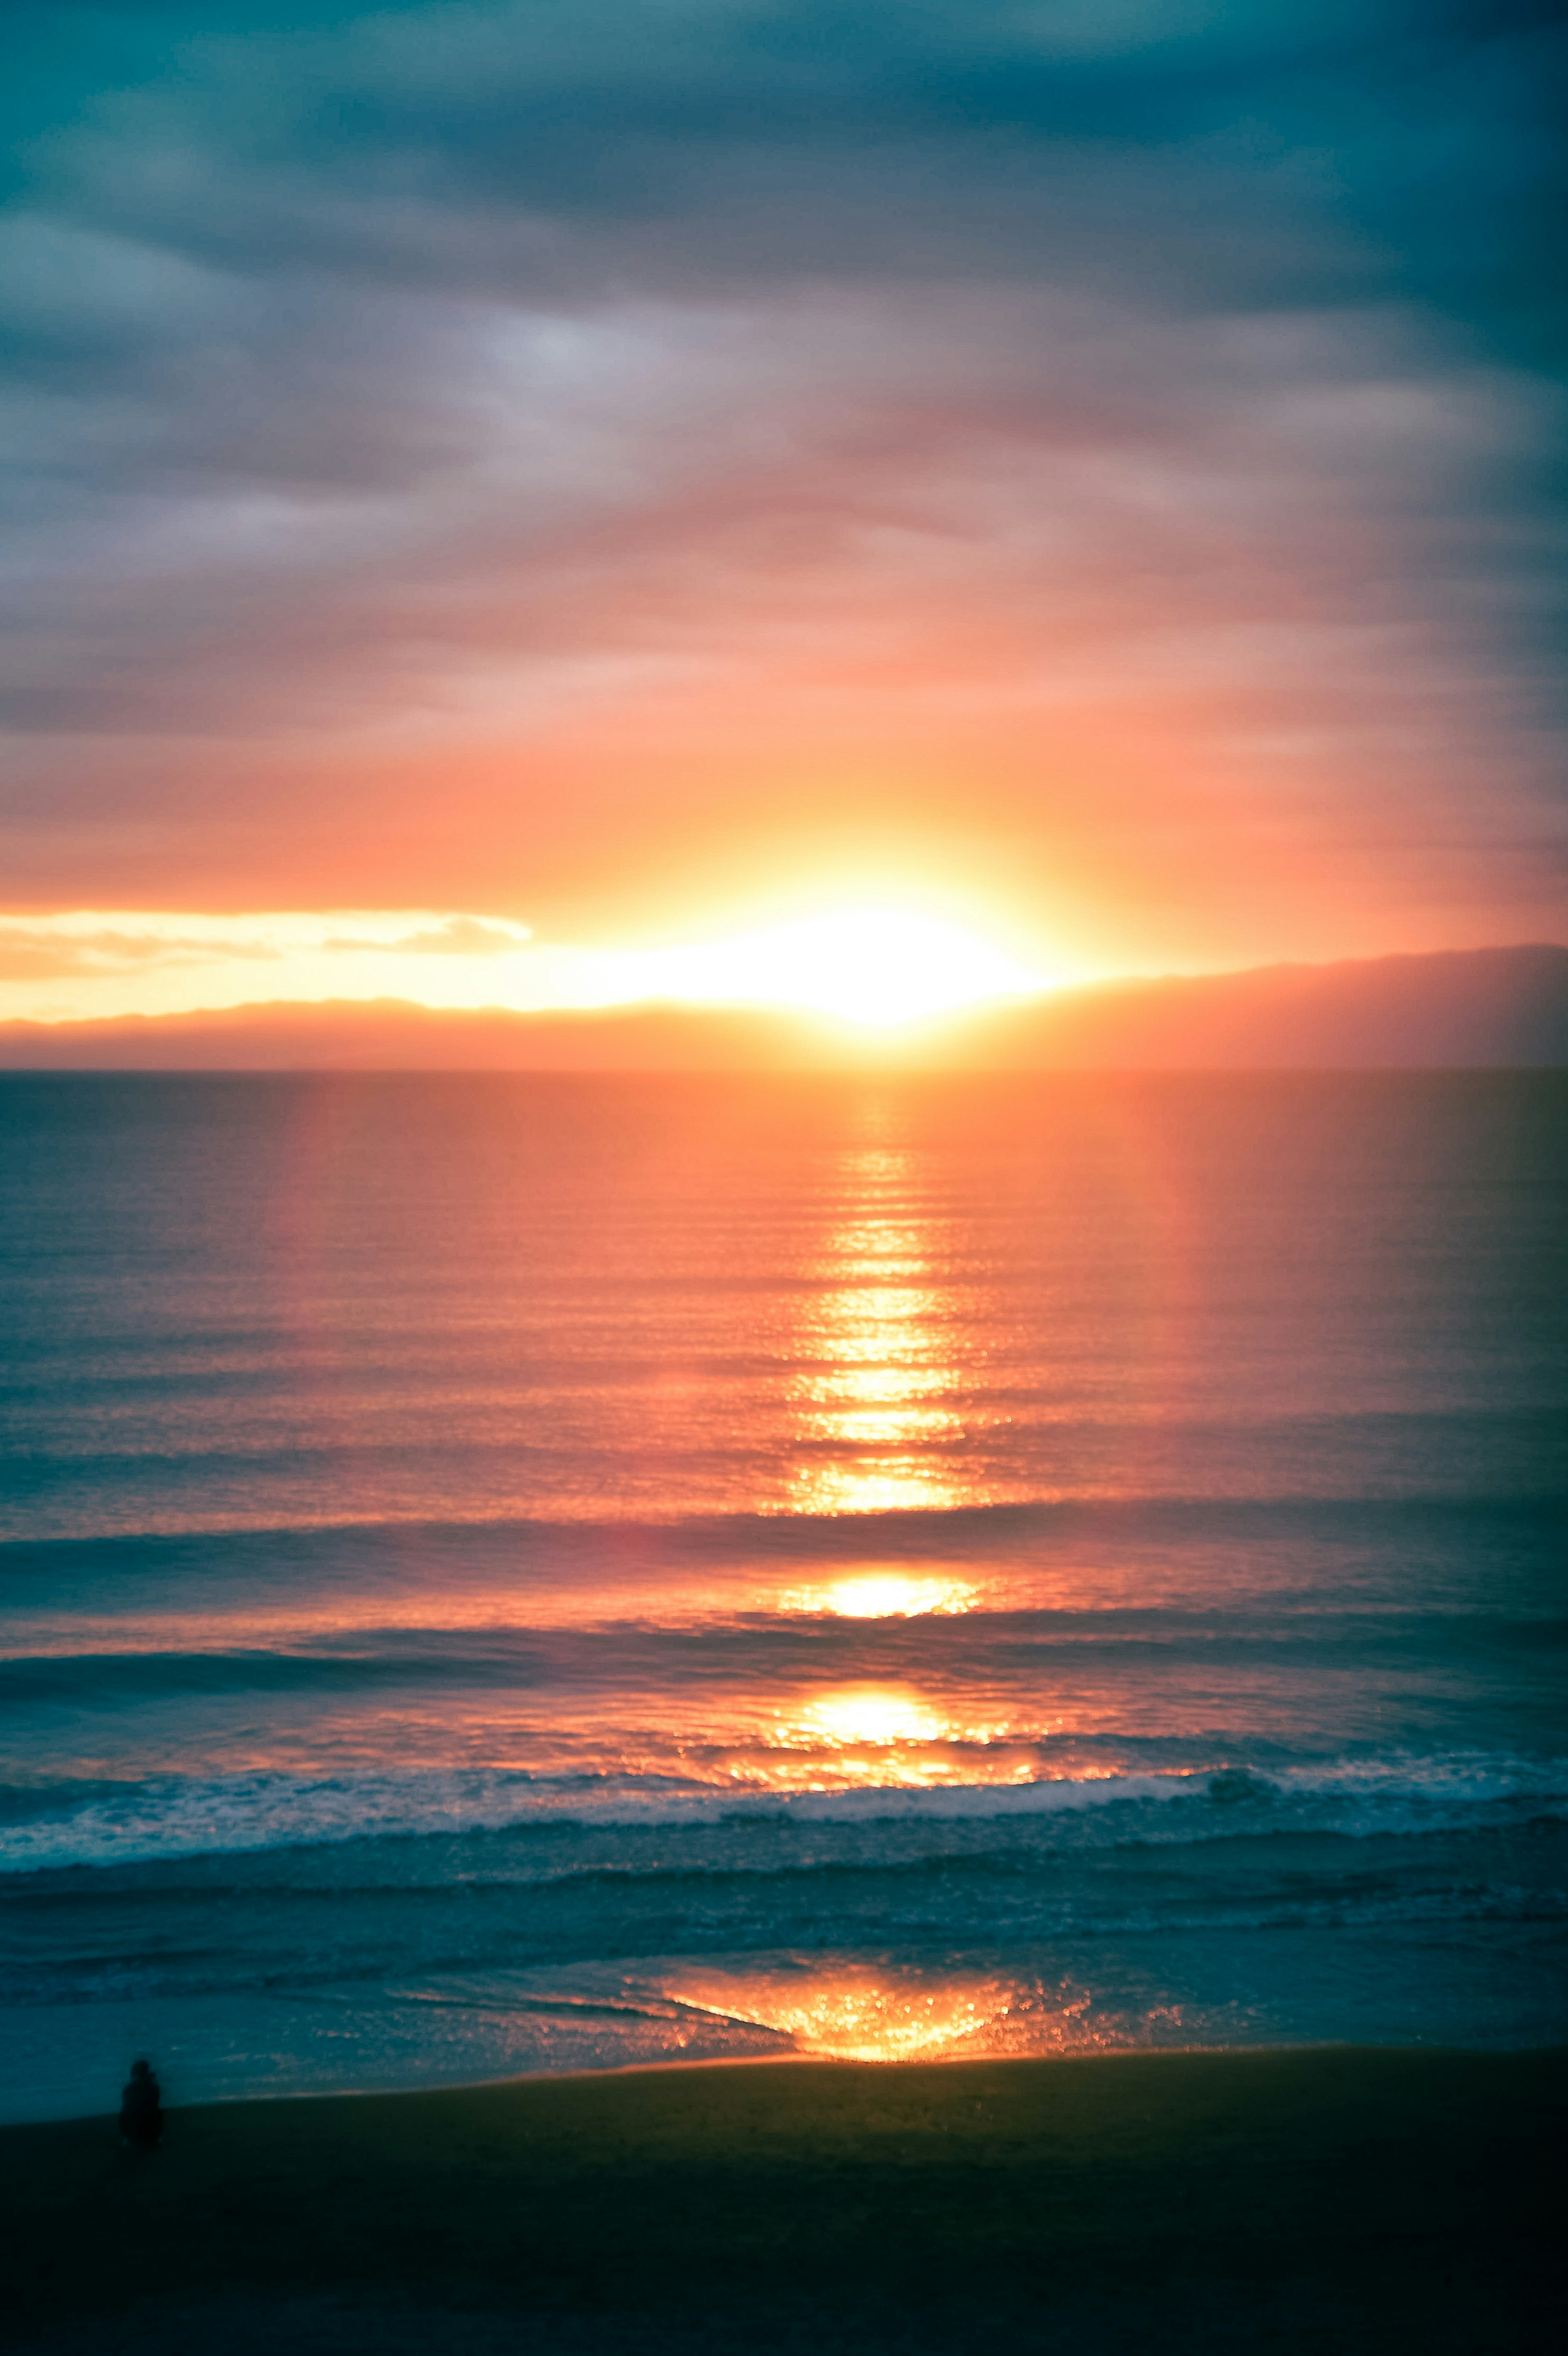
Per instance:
{"type": "Point", "coordinates": [520, 1573]}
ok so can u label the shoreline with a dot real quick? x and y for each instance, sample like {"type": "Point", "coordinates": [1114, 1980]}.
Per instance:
{"type": "Point", "coordinates": [1386, 2197]}
{"type": "Point", "coordinates": [682, 2066]}
{"type": "Point", "coordinates": [591, 2074]}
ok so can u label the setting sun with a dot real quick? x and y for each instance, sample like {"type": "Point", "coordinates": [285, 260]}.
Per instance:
{"type": "Point", "coordinates": [865, 965]}
{"type": "Point", "coordinates": [783, 1102]}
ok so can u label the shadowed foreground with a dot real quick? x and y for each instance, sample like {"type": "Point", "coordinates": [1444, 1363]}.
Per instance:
{"type": "Point", "coordinates": [1334, 2199]}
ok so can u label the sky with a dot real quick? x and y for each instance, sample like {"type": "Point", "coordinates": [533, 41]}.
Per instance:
{"type": "Point", "coordinates": [512, 499]}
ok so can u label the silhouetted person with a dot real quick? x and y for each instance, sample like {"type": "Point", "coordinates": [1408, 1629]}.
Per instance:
{"type": "Point", "coordinates": [141, 2109]}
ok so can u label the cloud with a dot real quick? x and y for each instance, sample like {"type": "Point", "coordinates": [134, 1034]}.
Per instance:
{"type": "Point", "coordinates": [1144, 412]}
{"type": "Point", "coordinates": [90, 962]}
{"type": "Point", "coordinates": [54, 948]}
{"type": "Point", "coordinates": [877, 963]}
{"type": "Point", "coordinates": [449, 937]}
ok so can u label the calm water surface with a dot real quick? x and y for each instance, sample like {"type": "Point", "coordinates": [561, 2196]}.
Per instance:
{"type": "Point", "coordinates": [519, 1573]}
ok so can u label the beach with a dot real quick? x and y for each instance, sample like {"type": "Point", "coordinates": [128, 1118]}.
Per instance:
{"type": "Point", "coordinates": [783, 1180]}
{"type": "Point", "coordinates": [543, 1574]}
{"type": "Point", "coordinates": [1338, 2198]}
{"type": "Point", "coordinates": [1019, 1628]}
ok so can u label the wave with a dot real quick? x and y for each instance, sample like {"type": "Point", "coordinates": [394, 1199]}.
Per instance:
{"type": "Point", "coordinates": [668, 1539]}
{"type": "Point", "coordinates": [97, 1825]}
{"type": "Point", "coordinates": [522, 1948]}
{"type": "Point", "coordinates": [131, 1677]}
{"type": "Point", "coordinates": [644, 1651]}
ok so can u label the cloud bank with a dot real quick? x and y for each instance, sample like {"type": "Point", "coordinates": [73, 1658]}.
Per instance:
{"type": "Point", "coordinates": [597, 463]}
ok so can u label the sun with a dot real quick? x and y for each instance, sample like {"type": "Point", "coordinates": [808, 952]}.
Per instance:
{"type": "Point", "coordinates": [873, 965]}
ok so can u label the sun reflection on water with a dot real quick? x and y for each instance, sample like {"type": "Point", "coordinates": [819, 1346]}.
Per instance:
{"type": "Point", "coordinates": [885, 1595]}
{"type": "Point", "coordinates": [885, 1738]}
{"type": "Point", "coordinates": [857, 2014]}
{"type": "Point", "coordinates": [877, 1410]}
{"type": "Point", "coordinates": [876, 1488]}
{"type": "Point", "coordinates": [873, 1714]}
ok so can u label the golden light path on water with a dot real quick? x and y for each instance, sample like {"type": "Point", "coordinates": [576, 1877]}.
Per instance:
{"type": "Point", "coordinates": [883, 1737]}
{"type": "Point", "coordinates": [881, 1400]}
{"type": "Point", "coordinates": [878, 1409]}
{"type": "Point", "coordinates": [857, 2013]}
{"type": "Point", "coordinates": [885, 1595]}
{"type": "Point", "coordinates": [881, 1409]}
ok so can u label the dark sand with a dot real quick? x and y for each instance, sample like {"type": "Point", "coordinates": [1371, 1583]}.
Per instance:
{"type": "Point", "coordinates": [1334, 2200]}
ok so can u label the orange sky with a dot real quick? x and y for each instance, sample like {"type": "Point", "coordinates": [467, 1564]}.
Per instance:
{"type": "Point", "coordinates": [1074, 505]}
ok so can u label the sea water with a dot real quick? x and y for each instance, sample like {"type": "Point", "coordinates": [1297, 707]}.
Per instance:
{"type": "Point", "coordinates": [527, 1573]}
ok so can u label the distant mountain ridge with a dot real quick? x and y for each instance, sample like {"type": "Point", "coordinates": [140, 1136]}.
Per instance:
{"type": "Point", "coordinates": [1453, 1009]}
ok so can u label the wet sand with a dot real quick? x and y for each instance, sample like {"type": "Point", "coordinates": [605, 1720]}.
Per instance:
{"type": "Point", "coordinates": [1331, 2200]}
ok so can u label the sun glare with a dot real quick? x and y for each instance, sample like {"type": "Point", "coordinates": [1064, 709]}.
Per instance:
{"type": "Point", "coordinates": [871, 966]}
{"type": "Point", "coordinates": [877, 966]}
